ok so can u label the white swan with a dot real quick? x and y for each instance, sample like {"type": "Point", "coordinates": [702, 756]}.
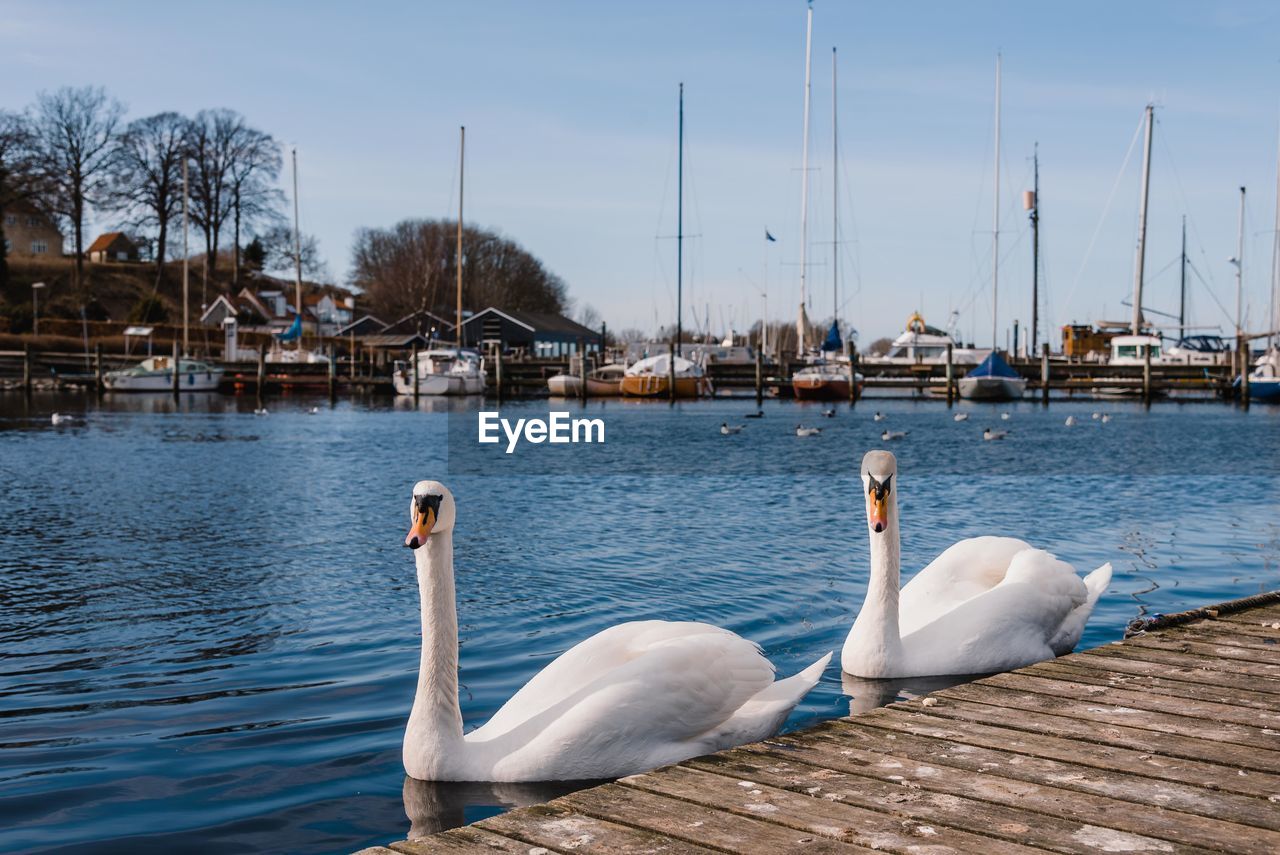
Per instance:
{"type": "Point", "coordinates": [628, 699]}
{"type": "Point", "coordinates": [986, 604]}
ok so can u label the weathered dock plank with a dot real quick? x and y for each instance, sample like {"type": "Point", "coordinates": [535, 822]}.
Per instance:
{"type": "Point", "coordinates": [1167, 742]}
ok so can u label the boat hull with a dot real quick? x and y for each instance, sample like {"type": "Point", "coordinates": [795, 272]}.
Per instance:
{"type": "Point", "coordinates": [440, 384]}
{"type": "Point", "coordinates": [820, 389]}
{"type": "Point", "coordinates": [569, 386]}
{"type": "Point", "coordinates": [162, 381]}
{"type": "Point", "coordinates": [1267, 390]}
{"type": "Point", "coordinates": [991, 388]}
{"type": "Point", "coordinates": [657, 386]}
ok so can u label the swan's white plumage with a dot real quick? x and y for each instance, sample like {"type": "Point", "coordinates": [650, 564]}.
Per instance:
{"type": "Point", "coordinates": [632, 697]}
{"type": "Point", "coordinates": [985, 604]}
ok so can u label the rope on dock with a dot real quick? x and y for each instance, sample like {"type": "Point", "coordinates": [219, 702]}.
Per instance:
{"type": "Point", "coordinates": [1137, 626]}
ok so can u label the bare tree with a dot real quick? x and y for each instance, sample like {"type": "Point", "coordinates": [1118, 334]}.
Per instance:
{"type": "Point", "coordinates": [147, 176]}
{"type": "Point", "coordinates": [412, 266]}
{"type": "Point", "coordinates": [76, 134]}
{"type": "Point", "coordinates": [211, 138]}
{"type": "Point", "coordinates": [254, 169]}
{"type": "Point", "coordinates": [19, 180]}
{"type": "Point", "coordinates": [278, 246]}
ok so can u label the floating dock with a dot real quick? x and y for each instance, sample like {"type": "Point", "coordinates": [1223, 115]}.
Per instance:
{"type": "Point", "coordinates": [1166, 742]}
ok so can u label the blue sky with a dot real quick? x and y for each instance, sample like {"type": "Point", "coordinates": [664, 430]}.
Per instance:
{"type": "Point", "coordinates": [570, 111]}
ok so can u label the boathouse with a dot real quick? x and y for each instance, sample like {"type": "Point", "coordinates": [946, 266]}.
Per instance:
{"type": "Point", "coordinates": [530, 333]}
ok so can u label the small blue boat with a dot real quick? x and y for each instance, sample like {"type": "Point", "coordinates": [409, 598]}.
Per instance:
{"type": "Point", "coordinates": [992, 380]}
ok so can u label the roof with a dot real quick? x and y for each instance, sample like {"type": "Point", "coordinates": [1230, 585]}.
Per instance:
{"type": "Point", "coordinates": [393, 340]}
{"type": "Point", "coordinates": [413, 322]}
{"type": "Point", "coordinates": [365, 321]}
{"type": "Point", "coordinates": [539, 322]}
{"type": "Point", "coordinates": [107, 239]}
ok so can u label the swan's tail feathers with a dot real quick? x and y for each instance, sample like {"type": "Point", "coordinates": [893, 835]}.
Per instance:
{"type": "Point", "coordinates": [1097, 583]}
{"type": "Point", "coordinates": [1072, 627]}
{"type": "Point", "coordinates": [760, 717]}
{"type": "Point", "coordinates": [795, 687]}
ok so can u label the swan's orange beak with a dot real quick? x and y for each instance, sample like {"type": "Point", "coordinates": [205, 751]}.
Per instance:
{"type": "Point", "coordinates": [424, 519]}
{"type": "Point", "coordinates": [877, 516]}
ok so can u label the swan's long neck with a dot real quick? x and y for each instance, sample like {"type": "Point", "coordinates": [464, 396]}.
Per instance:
{"type": "Point", "coordinates": [875, 632]}
{"type": "Point", "coordinates": [436, 720]}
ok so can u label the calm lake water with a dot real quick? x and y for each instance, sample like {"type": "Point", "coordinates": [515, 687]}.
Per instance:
{"type": "Point", "coordinates": [209, 626]}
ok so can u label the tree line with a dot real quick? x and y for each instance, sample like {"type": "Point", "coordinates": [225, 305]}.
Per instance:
{"type": "Point", "coordinates": [412, 266]}
{"type": "Point", "coordinates": [72, 154]}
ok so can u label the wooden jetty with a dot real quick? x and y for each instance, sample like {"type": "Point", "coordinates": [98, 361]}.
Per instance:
{"type": "Point", "coordinates": [1166, 742]}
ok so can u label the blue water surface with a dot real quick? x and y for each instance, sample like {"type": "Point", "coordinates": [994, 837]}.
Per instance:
{"type": "Point", "coordinates": [209, 626]}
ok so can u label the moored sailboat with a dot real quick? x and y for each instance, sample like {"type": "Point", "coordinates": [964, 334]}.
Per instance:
{"type": "Point", "coordinates": [652, 378]}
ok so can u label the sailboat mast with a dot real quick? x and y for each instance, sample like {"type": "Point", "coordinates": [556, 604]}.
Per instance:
{"type": "Point", "coordinates": [804, 183]}
{"type": "Point", "coordinates": [1035, 249]}
{"type": "Point", "coordinates": [1275, 260]}
{"type": "Point", "coordinates": [1182, 284]}
{"type": "Point", "coordinates": [462, 159]}
{"type": "Point", "coordinates": [835, 197]}
{"type": "Point", "coordinates": [995, 226]}
{"type": "Point", "coordinates": [1240, 286]}
{"type": "Point", "coordinates": [186, 264]}
{"type": "Point", "coordinates": [1136, 325]}
{"type": "Point", "coordinates": [679, 351]}
{"type": "Point", "coordinates": [297, 252]}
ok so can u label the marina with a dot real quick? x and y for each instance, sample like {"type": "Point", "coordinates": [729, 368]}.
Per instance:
{"type": "Point", "coordinates": [1162, 742]}
{"type": "Point", "coordinates": [534, 429]}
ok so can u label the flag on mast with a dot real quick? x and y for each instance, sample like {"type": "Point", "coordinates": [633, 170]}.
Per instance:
{"type": "Point", "coordinates": [769, 237]}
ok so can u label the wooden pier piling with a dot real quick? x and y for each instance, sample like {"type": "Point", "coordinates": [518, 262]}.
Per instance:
{"type": "Point", "coordinates": [1165, 742]}
{"type": "Point", "coordinates": [497, 372]}
{"type": "Point", "coordinates": [416, 390]}
{"type": "Point", "coordinates": [26, 368]}
{"type": "Point", "coordinates": [1146, 375]}
{"type": "Point", "coordinates": [951, 386]}
{"type": "Point", "coordinates": [671, 372]}
{"type": "Point", "coordinates": [759, 377]}
{"type": "Point", "coordinates": [98, 385]}
{"type": "Point", "coordinates": [582, 371]}
{"type": "Point", "coordinates": [1044, 373]}
{"type": "Point", "coordinates": [262, 374]}
{"type": "Point", "coordinates": [177, 370]}
{"type": "Point", "coordinates": [333, 375]}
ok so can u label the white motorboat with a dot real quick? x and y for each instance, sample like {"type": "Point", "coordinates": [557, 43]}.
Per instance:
{"type": "Point", "coordinates": [155, 374]}
{"type": "Point", "coordinates": [442, 371]}
{"type": "Point", "coordinates": [920, 343]}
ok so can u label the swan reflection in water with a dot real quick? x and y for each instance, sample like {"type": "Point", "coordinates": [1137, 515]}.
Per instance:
{"type": "Point", "coordinates": [867, 694]}
{"type": "Point", "coordinates": [435, 806]}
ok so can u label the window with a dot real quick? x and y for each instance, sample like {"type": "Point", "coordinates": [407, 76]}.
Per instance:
{"type": "Point", "coordinates": [8, 245]}
{"type": "Point", "coordinates": [33, 221]}
{"type": "Point", "coordinates": [10, 219]}
{"type": "Point", "coordinates": [39, 247]}
{"type": "Point", "coordinates": [122, 256]}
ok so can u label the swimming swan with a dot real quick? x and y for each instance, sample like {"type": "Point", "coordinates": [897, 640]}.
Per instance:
{"type": "Point", "coordinates": [986, 604]}
{"type": "Point", "coordinates": [635, 696]}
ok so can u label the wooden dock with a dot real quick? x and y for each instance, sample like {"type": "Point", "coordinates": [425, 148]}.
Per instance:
{"type": "Point", "coordinates": [1166, 742]}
